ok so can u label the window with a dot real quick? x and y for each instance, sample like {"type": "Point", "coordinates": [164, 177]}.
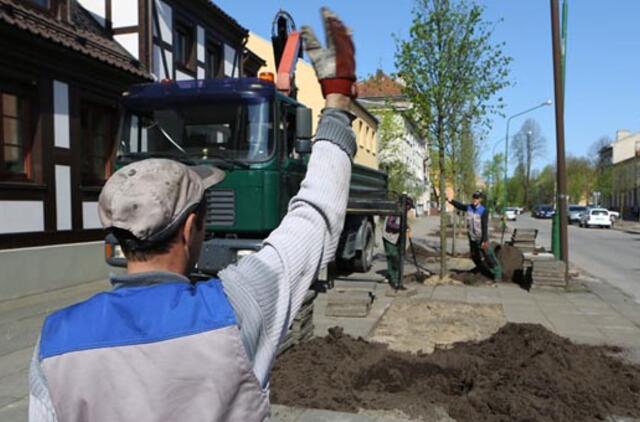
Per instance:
{"type": "Point", "coordinates": [15, 150]}
{"type": "Point", "coordinates": [184, 46]}
{"type": "Point", "coordinates": [213, 60]}
{"type": "Point", "coordinates": [97, 137]}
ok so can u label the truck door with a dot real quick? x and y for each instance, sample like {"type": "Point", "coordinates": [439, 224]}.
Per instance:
{"type": "Point", "coordinates": [293, 165]}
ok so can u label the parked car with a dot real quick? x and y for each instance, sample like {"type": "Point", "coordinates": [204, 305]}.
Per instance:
{"type": "Point", "coordinates": [510, 213]}
{"type": "Point", "coordinates": [575, 213]}
{"type": "Point", "coordinates": [596, 217]}
{"type": "Point", "coordinates": [543, 211]}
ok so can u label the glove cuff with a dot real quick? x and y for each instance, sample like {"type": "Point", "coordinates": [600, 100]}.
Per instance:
{"type": "Point", "coordinates": [342, 86]}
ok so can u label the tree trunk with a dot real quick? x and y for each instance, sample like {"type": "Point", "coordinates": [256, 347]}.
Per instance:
{"type": "Point", "coordinates": [443, 194]}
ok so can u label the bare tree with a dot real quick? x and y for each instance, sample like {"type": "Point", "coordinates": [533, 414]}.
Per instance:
{"type": "Point", "coordinates": [596, 147]}
{"type": "Point", "coordinates": [527, 145]}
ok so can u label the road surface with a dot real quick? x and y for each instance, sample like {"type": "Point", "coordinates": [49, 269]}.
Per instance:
{"type": "Point", "coordinates": [611, 255]}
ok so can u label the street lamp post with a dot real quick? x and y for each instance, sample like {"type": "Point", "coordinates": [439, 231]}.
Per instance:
{"type": "Point", "coordinates": [506, 144]}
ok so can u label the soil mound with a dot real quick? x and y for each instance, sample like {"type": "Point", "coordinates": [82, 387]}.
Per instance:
{"type": "Point", "coordinates": [522, 373]}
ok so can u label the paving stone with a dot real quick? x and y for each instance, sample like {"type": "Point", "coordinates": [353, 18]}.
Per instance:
{"type": "Point", "coordinates": [612, 321]}
{"type": "Point", "coordinates": [317, 415]}
{"type": "Point", "coordinates": [449, 293]}
{"type": "Point", "coordinates": [15, 362]}
{"type": "Point", "coordinates": [281, 413]}
{"type": "Point", "coordinates": [13, 387]}
{"type": "Point", "coordinates": [628, 337]}
{"type": "Point", "coordinates": [16, 411]}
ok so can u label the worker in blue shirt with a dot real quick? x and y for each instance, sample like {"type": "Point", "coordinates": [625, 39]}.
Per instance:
{"type": "Point", "coordinates": [477, 217]}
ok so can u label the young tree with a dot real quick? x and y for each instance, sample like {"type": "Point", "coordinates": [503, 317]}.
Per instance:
{"type": "Point", "coordinates": [451, 71]}
{"type": "Point", "coordinates": [493, 172]}
{"type": "Point", "coordinates": [527, 145]}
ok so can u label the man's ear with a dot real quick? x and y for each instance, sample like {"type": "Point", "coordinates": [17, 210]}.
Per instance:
{"type": "Point", "coordinates": [189, 228]}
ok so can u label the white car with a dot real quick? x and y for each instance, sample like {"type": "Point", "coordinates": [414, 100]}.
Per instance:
{"type": "Point", "coordinates": [510, 213]}
{"type": "Point", "coordinates": [614, 215]}
{"type": "Point", "coordinates": [595, 217]}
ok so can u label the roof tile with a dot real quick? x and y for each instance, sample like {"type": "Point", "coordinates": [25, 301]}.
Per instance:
{"type": "Point", "coordinates": [84, 35]}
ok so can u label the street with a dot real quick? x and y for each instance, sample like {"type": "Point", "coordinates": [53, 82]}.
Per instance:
{"type": "Point", "coordinates": [610, 255]}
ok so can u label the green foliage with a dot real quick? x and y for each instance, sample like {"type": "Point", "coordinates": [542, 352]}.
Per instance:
{"type": "Point", "coordinates": [451, 72]}
{"type": "Point", "coordinates": [544, 186]}
{"type": "Point", "coordinates": [493, 175]}
{"type": "Point", "coordinates": [580, 178]}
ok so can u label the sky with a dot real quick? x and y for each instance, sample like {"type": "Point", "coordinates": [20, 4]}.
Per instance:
{"type": "Point", "coordinates": [603, 60]}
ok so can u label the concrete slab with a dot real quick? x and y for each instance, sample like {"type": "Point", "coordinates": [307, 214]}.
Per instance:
{"type": "Point", "coordinates": [354, 304]}
{"type": "Point", "coordinates": [450, 293]}
{"type": "Point", "coordinates": [317, 415]}
{"type": "Point", "coordinates": [281, 413]}
{"type": "Point", "coordinates": [16, 411]}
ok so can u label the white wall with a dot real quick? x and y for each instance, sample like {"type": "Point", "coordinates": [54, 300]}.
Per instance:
{"type": "Point", "coordinates": [21, 216]}
{"type": "Point", "coordinates": [130, 43]}
{"type": "Point", "coordinates": [90, 219]}
{"type": "Point", "coordinates": [63, 197]}
{"type": "Point", "coordinates": [97, 9]}
{"type": "Point", "coordinates": [180, 76]}
{"type": "Point", "coordinates": [124, 13]}
{"type": "Point", "coordinates": [158, 67]}
{"type": "Point", "coordinates": [165, 15]}
{"type": "Point", "coordinates": [229, 57]}
{"type": "Point", "coordinates": [200, 38]}
{"type": "Point", "coordinates": [61, 114]}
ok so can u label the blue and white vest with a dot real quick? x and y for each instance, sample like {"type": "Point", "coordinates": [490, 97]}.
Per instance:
{"type": "Point", "coordinates": [165, 352]}
{"type": "Point", "coordinates": [474, 222]}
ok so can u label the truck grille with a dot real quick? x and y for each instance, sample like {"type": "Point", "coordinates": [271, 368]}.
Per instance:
{"type": "Point", "coordinates": [221, 207]}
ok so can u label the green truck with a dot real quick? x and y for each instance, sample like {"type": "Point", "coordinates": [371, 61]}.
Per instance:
{"type": "Point", "coordinates": [262, 139]}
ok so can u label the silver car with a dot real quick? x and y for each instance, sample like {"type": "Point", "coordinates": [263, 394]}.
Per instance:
{"type": "Point", "coordinates": [575, 213]}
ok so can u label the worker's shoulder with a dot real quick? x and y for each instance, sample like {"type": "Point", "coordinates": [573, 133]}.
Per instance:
{"type": "Point", "coordinates": [136, 315]}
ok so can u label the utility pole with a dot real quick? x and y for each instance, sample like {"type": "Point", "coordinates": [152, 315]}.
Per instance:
{"type": "Point", "coordinates": [558, 71]}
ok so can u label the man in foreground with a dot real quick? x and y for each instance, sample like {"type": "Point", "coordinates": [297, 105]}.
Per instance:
{"type": "Point", "coordinates": [477, 217]}
{"type": "Point", "coordinates": [160, 348]}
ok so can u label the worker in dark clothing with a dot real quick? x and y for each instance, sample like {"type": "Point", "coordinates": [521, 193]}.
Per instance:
{"type": "Point", "coordinates": [482, 253]}
{"type": "Point", "coordinates": [391, 241]}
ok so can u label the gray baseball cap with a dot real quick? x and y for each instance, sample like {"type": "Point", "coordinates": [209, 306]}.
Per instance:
{"type": "Point", "coordinates": [151, 198]}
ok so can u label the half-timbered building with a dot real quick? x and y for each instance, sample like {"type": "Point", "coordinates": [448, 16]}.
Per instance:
{"type": "Point", "coordinates": [63, 67]}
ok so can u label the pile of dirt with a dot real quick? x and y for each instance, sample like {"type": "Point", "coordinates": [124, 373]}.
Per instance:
{"type": "Point", "coordinates": [471, 278]}
{"type": "Point", "coordinates": [521, 373]}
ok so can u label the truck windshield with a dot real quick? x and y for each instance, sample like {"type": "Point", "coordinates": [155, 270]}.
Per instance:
{"type": "Point", "coordinates": [233, 130]}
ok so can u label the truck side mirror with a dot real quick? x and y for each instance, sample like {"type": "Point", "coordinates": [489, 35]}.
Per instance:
{"type": "Point", "coordinates": [303, 130]}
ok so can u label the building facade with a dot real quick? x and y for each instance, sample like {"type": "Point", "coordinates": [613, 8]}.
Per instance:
{"type": "Point", "coordinates": [310, 94]}
{"type": "Point", "coordinates": [622, 160]}
{"type": "Point", "coordinates": [64, 67]}
{"type": "Point", "coordinates": [383, 97]}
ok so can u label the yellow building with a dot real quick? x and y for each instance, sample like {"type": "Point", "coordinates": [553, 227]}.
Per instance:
{"type": "Point", "coordinates": [310, 94]}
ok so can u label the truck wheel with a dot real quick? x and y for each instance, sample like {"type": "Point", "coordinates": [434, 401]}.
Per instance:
{"type": "Point", "coordinates": [364, 258]}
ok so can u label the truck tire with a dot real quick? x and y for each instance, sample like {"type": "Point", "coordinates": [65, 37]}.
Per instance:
{"type": "Point", "coordinates": [364, 259]}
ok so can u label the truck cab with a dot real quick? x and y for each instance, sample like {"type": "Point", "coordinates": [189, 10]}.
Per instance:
{"type": "Point", "coordinates": [261, 138]}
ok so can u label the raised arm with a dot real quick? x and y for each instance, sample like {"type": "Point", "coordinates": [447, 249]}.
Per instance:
{"type": "Point", "coordinates": [458, 205]}
{"type": "Point", "coordinates": [267, 288]}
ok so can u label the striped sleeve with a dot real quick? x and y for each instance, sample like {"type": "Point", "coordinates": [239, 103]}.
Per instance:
{"type": "Point", "coordinates": [267, 288]}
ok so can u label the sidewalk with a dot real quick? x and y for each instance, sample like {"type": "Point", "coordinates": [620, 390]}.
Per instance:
{"type": "Point", "coordinates": [632, 227]}
{"type": "Point", "coordinates": [20, 322]}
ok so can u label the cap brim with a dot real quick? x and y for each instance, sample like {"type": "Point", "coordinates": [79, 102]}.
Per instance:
{"type": "Point", "coordinates": [210, 175]}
